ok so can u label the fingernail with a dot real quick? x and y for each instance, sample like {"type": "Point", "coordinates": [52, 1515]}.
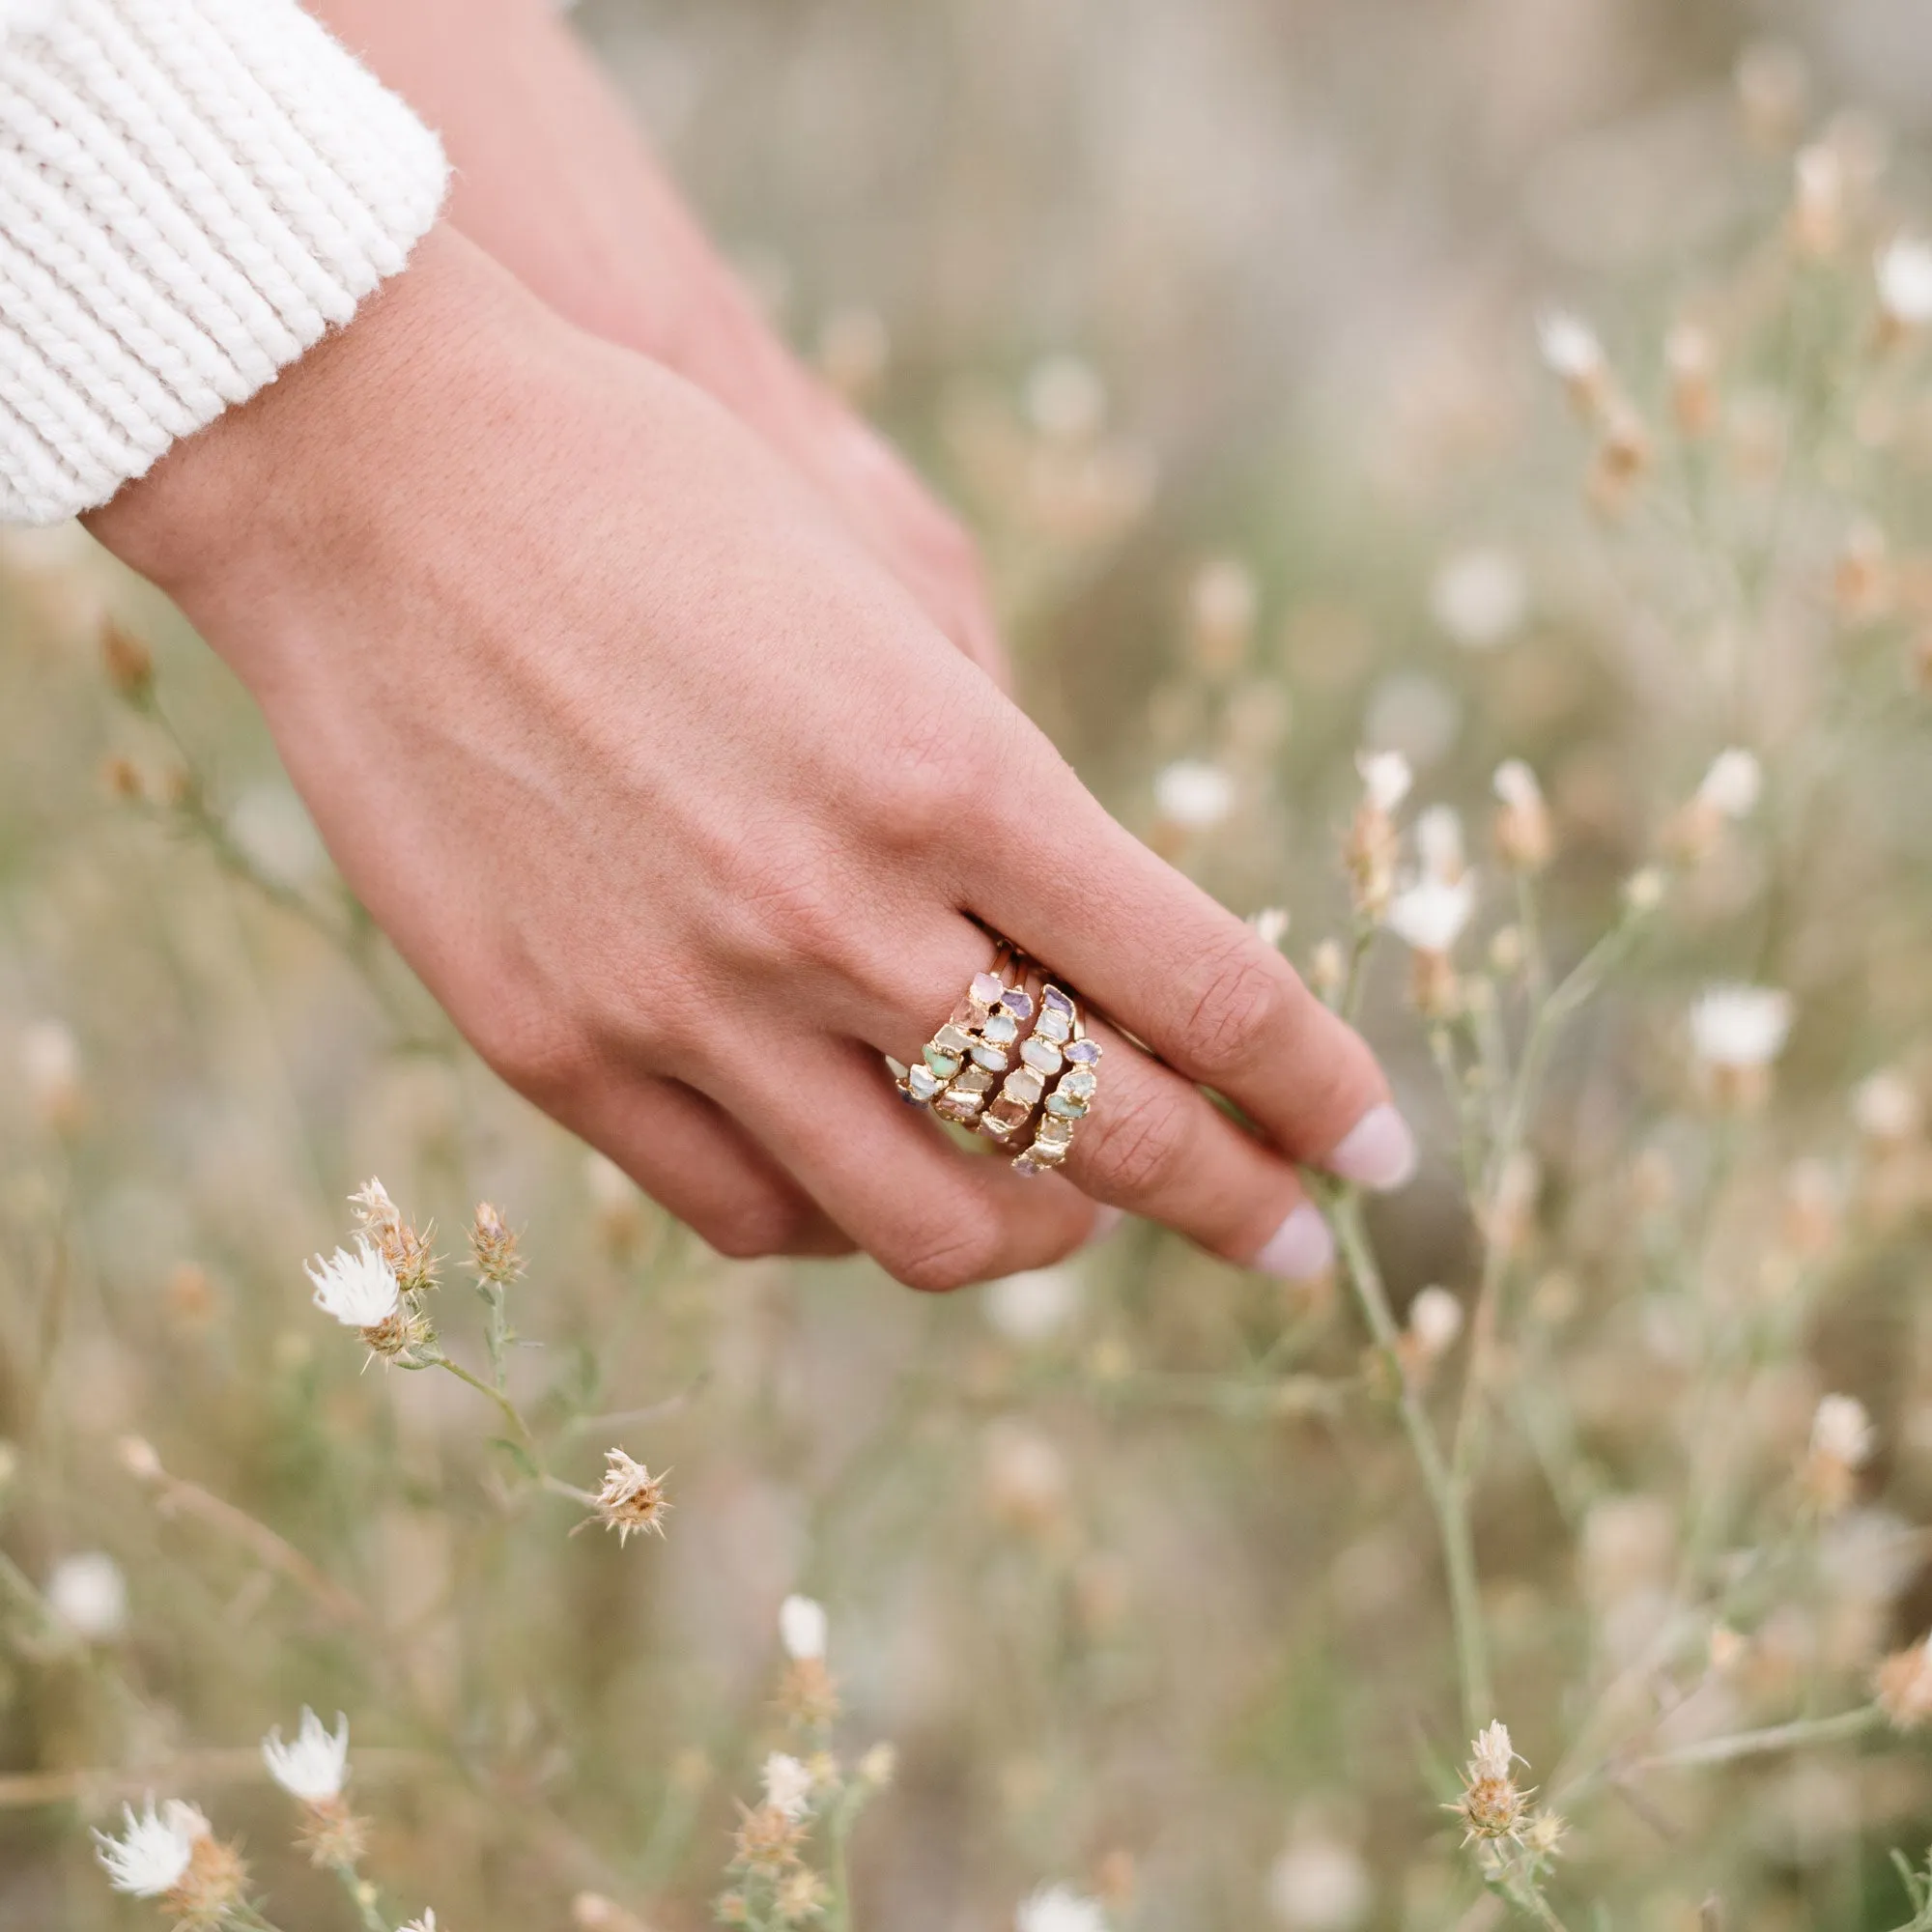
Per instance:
{"type": "Point", "coordinates": [1299, 1249]}
{"type": "Point", "coordinates": [1377, 1151]}
{"type": "Point", "coordinates": [1105, 1220]}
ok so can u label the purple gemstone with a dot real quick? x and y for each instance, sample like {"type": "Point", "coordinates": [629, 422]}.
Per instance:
{"type": "Point", "coordinates": [1057, 1000]}
{"type": "Point", "coordinates": [1017, 1001]}
{"type": "Point", "coordinates": [1086, 1051]}
{"type": "Point", "coordinates": [1026, 1164]}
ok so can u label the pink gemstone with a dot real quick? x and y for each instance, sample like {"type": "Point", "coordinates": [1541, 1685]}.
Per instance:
{"type": "Point", "coordinates": [986, 988]}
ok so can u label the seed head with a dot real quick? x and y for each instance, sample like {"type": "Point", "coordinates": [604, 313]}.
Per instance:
{"type": "Point", "coordinates": [632, 1498]}
{"type": "Point", "coordinates": [129, 663]}
{"type": "Point", "coordinates": [1490, 1805]}
{"type": "Point", "coordinates": [768, 1841]}
{"type": "Point", "coordinates": [492, 1247]}
{"type": "Point", "coordinates": [407, 1251]}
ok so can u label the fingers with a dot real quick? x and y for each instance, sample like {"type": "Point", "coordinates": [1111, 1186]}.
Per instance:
{"type": "Point", "coordinates": [1154, 1145]}
{"type": "Point", "coordinates": [932, 1216]}
{"type": "Point", "coordinates": [692, 1159]}
{"type": "Point", "coordinates": [1072, 887]}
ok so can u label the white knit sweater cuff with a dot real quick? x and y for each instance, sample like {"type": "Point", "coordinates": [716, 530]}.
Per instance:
{"type": "Point", "coordinates": [192, 191]}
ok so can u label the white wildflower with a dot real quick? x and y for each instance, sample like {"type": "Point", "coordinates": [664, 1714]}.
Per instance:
{"type": "Point", "coordinates": [1435, 1322]}
{"type": "Point", "coordinates": [1066, 399]}
{"type": "Point", "coordinates": [1523, 834]}
{"type": "Point", "coordinates": [88, 1593]}
{"type": "Point", "coordinates": [1741, 1028]}
{"type": "Point", "coordinates": [1319, 1884]}
{"type": "Point", "coordinates": [1192, 794]}
{"type": "Point", "coordinates": [50, 1067]}
{"type": "Point", "coordinates": [631, 1498]}
{"type": "Point", "coordinates": [1060, 1909]}
{"type": "Point", "coordinates": [1432, 913]}
{"type": "Point", "coordinates": [316, 1765]}
{"type": "Point", "coordinates": [804, 1628]}
{"type": "Point", "coordinates": [1732, 786]}
{"type": "Point", "coordinates": [1270, 924]}
{"type": "Point", "coordinates": [1841, 1432]}
{"type": "Point", "coordinates": [788, 1785]}
{"type": "Point", "coordinates": [1515, 786]}
{"type": "Point", "coordinates": [1386, 777]}
{"type": "Point", "coordinates": [1438, 844]}
{"type": "Point", "coordinates": [1479, 597]}
{"type": "Point", "coordinates": [1492, 1755]}
{"type": "Point", "coordinates": [426, 1924]}
{"type": "Point", "coordinates": [1570, 347]}
{"type": "Point", "coordinates": [1905, 282]}
{"type": "Point", "coordinates": [1033, 1306]}
{"type": "Point", "coordinates": [360, 1289]}
{"type": "Point", "coordinates": [153, 1851]}
{"type": "Point", "coordinates": [1886, 1108]}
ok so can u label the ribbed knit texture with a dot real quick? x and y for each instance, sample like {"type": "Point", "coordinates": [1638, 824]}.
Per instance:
{"type": "Point", "coordinates": [192, 191]}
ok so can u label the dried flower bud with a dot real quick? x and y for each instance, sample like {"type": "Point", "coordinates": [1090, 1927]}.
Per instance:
{"type": "Point", "coordinates": [1903, 1686]}
{"type": "Point", "coordinates": [1524, 839]}
{"type": "Point", "coordinates": [631, 1499]}
{"type": "Point", "coordinates": [1737, 1034]}
{"type": "Point", "coordinates": [1328, 970]}
{"type": "Point", "coordinates": [1861, 580]}
{"type": "Point", "coordinates": [1222, 604]}
{"type": "Point", "coordinates": [129, 663]}
{"type": "Point", "coordinates": [1692, 360]}
{"type": "Point", "coordinates": [123, 781]}
{"type": "Point", "coordinates": [1572, 353]}
{"type": "Point", "coordinates": [1818, 200]}
{"type": "Point", "coordinates": [1842, 1441]}
{"type": "Point", "coordinates": [1490, 1805]}
{"type": "Point", "coordinates": [492, 1247]}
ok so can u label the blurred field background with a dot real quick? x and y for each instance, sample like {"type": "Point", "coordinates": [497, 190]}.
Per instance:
{"type": "Point", "coordinates": [1219, 321]}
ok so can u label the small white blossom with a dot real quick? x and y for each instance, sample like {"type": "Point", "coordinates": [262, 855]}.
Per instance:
{"type": "Point", "coordinates": [1386, 777]}
{"type": "Point", "coordinates": [1434, 1321]}
{"type": "Point", "coordinates": [1270, 924]}
{"type": "Point", "coordinates": [1479, 597]}
{"type": "Point", "coordinates": [1841, 1432]}
{"type": "Point", "coordinates": [315, 1767]}
{"type": "Point", "coordinates": [152, 1854]}
{"type": "Point", "coordinates": [1431, 913]}
{"type": "Point", "coordinates": [1492, 1755]}
{"type": "Point", "coordinates": [1905, 282]}
{"type": "Point", "coordinates": [1515, 786]}
{"type": "Point", "coordinates": [788, 1785]}
{"type": "Point", "coordinates": [360, 1289]}
{"type": "Point", "coordinates": [1741, 1028]}
{"type": "Point", "coordinates": [88, 1593]}
{"type": "Point", "coordinates": [1569, 346]}
{"type": "Point", "coordinates": [1319, 1884]}
{"type": "Point", "coordinates": [1033, 1306]}
{"type": "Point", "coordinates": [1733, 784]}
{"type": "Point", "coordinates": [426, 1924]}
{"type": "Point", "coordinates": [804, 1628]}
{"type": "Point", "coordinates": [1886, 1108]}
{"type": "Point", "coordinates": [1193, 794]}
{"type": "Point", "coordinates": [1060, 1909]}
{"type": "Point", "coordinates": [1438, 844]}
{"type": "Point", "coordinates": [1066, 399]}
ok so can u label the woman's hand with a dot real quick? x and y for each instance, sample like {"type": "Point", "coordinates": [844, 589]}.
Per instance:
{"type": "Point", "coordinates": [553, 180]}
{"type": "Point", "coordinates": [679, 801]}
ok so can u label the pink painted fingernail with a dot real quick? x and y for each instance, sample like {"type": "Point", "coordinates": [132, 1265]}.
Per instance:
{"type": "Point", "coordinates": [1299, 1249]}
{"type": "Point", "coordinates": [1105, 1220]}
{"type": "Point", "coordinates": [1377, 1151]}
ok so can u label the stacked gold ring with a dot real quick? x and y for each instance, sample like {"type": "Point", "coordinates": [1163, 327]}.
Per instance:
{"type": "Point", "coordinates": [1039, 1099]}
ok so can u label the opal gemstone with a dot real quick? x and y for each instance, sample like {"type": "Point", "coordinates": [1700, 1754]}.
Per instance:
{"type": "Point", "coordinates": [1086, 1051]}
{"type": "Point", "coordinates": [992, 1126]}
{"type": "Point", "coordinates": [1068, 1106]}
{"type": "Point", "coordinates": [955, 1106]}
{"type": "Point", "coordinates": [1024, 1086]}
{"type": "Point", "coordinates": [1080, 1083]}
{"type": "Point", "coordinates": [1042, 1054]}
{"type": "Point", "coordinates": [1001, 1028]}
{"type": "Point", "coordinates": [973, 1080]}
{"type": "Point", "coordinates": [986, 988]}
{"type": "Point", "coordinates": [1054, 1131]}
{"type": "Point", "coordinates": [992, 1058]}
{"type": "Point", "coordinates": [1053, 1026]}
{"type": "Point", "coordinates": [1028, 1164]}
{"type": "Point", "coordinates": [950, 1038]}
{"type": "Point", "coordinates": [922, 1083]}
{"type": "Point", "coordinates": [944, 1064]}
{"type": "Point", "coordinates": [1018, 1002]}
{"type": "Point", "coordinates": [1055, 1000]}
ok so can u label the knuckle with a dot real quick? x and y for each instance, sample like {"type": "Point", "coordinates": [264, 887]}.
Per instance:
{"type": "Point", "coordinates": [939, 1260]}
{"type": "Point", "coordinates": [534, 1046]}
{"type": "Point", "coordinates": [1139, 1147]}
{"type": "Point", "coordinates": [785, 910]}
{"type": "Point", "coordinates": [929, 773]}
{"type": "Point", "coordinates": [1237, 1002]}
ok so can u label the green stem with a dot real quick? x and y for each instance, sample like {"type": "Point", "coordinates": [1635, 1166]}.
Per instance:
{"type": "Point", "coordinates": [511, 1414]}
{"type": "Point", "coordinates": [838, 1915]}
{"type": "Point", "coordinates": [1447, 1498]}
{"type": "Point", "coordinates": [1796, 1735]}
{"type": "Point", "coordinates": [362, 1897]}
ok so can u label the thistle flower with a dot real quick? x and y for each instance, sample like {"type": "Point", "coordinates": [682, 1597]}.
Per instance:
{"type": "Point", "coordinates": [1842, 1441]}
{"type": "Point", "coordinates": [153, 1853]}
{"type": "Point", "coordinates": [1728, 793]}
{"type": "Point", "coordinates": [1430, 916]}
{"type": "Point", "coordinates": [1904, 271]}
{"type": "Point", "coordinates": [788, 1784]}
{"type": "Point", "coordinates": [1270, 924]}
{"type": "Point", "coordinates": [1523, 829]}
{"type": "Point", "coordinates": [361, 1291]}
{"type": "Point", "coordinates": [1438, 844]}
{"type": "Point", "coordinates": [1737, 1033]}
{"type": "Point", "coordinates": [767, 1842]}
{"type": "Point", "coordinates": [88, 1593]}
{"type": "Point", "coordinates": [50, 1071]}
{"type": "Point", "coordinates": [407, 1251]}
{"type": "Point", "coordinates": [1222, 603]}
{"type": "Point", "coordinates": [631, 1499]}
{"type": "Point", "coordinates": [803, 1627]}
{"type": "Point", "coordinates": [1572, 353]}
{"type": "Point", "coordinates": [1490, 1805]}
{"type": "Point", "coordinates": [426, 1924]}
{"type": "Point", "coordinates": [492, 1247]}
{"type": "Point", "coordinates": [1861, 578]}
{"type": "Point", "coordinates": [1692, 360]}
{"type": "Point", "coordinates": [1386, 779]}
{"type": "Point", "coordinates": [1370, 853]}
{"type": "Point", "coordinates": [1193, 795]}
{"type": "Point", "coordinates": [1435, 1323]}
{"type": "Point", "coordinates": [313, 1767]}
{"type": "Point", "coordinates": [1818, 199]}
{"type": "Point", "coordinates": [1886, 1110]}
{"type": "Point", "coordinates": [1059, 1908]}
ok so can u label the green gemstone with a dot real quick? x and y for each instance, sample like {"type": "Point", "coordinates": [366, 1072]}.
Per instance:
{"type": "Point", "coordinates": [1067, 1107]}
{"type": "Point", "coordinates": [943, 1064]}
{"type": "Point", "coordinates": [1081, 1083]}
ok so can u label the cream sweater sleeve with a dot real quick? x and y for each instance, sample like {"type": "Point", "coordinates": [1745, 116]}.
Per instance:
{"type": "Point", "coordinates": [192, 191]}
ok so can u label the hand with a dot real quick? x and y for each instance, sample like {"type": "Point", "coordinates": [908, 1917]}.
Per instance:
{"type": "Point", "coordinates": [678, 802]}
{"type": "Point", "coordinates": [553, 181]}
